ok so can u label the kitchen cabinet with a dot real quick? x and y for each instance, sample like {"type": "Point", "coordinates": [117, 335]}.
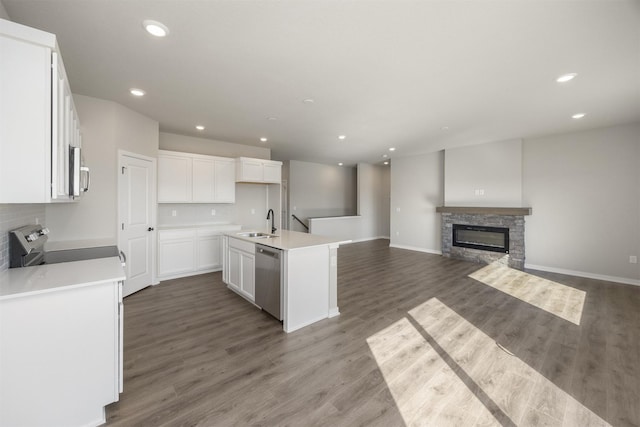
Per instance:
{"type": "Point", "coordinates": [186, 251]}
{"type": "Point", "coordinates": [61, 341]}
{"type": "Point", "coordinates": [174, 178]}
{"type": "Point", "coordinates": [176, 252]}
{"type": "Point", "coordinates": [258, 170]}
{"type": "Point", "coordinates": [38, 119]}
{"type": "Point", "coordinates": [195, 178]}
{"type": "Point", "coordinates": [240, 274]}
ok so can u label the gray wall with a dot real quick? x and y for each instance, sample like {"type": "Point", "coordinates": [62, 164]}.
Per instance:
{"type": "Point", "coordinates": [317, 190]}
{"type": "Point", "coordinates": [495, 169]}
{"type": "Point", "coordinates": [584, 189]}
{"type": "Point", "coordinates": [105, 127]}
{"type": "Point", "coordinates": [3, 12]}
{"type": "Point", "coordinates": [211, 147]}
{"type": "Point", "coordinates": [417, 188]}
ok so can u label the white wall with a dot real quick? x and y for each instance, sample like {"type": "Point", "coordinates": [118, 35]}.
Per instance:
{"type": "Point", "coordinates": [584, 189]}
{"type": "Point", "coordinates": [495, 169]}
{"type": "Point", "coordinates": [105, 127]}
{"type": "Point", "coordinates": [317, 190]}
{"type": "Point", "coordinates": [211, 147]}
{"type": "Point", "coordinates": [417, 188]}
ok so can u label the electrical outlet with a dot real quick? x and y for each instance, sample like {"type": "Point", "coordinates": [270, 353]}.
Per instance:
{"type": "Point", "coordinates": [174, 213]}
{"type": "Point", "coordinates": [476, 192]}
{"type": "Point", "coordinates": [213, 212]}
{"type": "Point", "coordinates": [481, 191]}
{"type": "Point", "coordinates": [397, 209]}
{"type": "Point", "coordinates": [397, 233]}
{"type": "Point", "coordinates": [253, 211]}
{"type": "Point", "coordinates": [633, 259]}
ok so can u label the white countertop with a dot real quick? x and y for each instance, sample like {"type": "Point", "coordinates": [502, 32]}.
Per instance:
{"type": "Point", "coordinates": [19, 282]}
{"type": "Point", "coordinates": [221, 227]}
{"type": "Point", "coordinates": [290, 240]}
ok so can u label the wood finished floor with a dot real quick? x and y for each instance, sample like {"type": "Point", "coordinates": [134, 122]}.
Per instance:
{"type": "Point", "coordinates": [421, 340]}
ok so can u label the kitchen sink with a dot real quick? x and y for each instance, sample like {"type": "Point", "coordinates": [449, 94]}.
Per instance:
{"type": "Point", "coordinates": [257, 235]}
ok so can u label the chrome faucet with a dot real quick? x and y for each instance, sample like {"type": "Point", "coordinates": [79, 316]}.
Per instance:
{"type": "Point", "coordinates": [272, 217]}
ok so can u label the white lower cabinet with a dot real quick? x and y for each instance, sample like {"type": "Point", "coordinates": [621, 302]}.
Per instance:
{"type": "Point", "coordinates": [61, 355]}
{"type": "Point", "coordinates": [188, 251]}
{"type": "Point", "coordinates": [176, 252]}
{"type": "Point", "coordinates": [240, 267]}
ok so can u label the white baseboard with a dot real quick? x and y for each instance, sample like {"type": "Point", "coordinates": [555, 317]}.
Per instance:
{"type": "Point", "coordinates": [584, 274]}
{"type": "Point", "coordinates": [366, 239]}
{"type": "Point", "coordinates": [334, 312]}
{"type": "Point", "coordinates": [416, 249]}
{"type": "Point", "coordinates": [187, 274]}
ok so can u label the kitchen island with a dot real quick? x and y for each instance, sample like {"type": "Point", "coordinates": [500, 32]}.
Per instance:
{"type": "Point", "coordinates": [309, 273]}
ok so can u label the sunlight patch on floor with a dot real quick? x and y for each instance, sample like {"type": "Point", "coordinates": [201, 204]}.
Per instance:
{"type": "Point", "coordinates": [558, 299]}
{"type": "Point", "coordinates": [442, 370]}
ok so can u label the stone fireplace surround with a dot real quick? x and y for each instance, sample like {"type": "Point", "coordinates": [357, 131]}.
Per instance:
{"type": "Point", "coordinates": [511, 218]}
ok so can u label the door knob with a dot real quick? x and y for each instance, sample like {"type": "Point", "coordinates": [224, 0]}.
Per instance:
{"type": "Point", "coordinates": [150, 229]}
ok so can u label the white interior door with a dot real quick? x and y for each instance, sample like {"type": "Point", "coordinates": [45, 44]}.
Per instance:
{"type": "Point", "coordinates": [136, 237]}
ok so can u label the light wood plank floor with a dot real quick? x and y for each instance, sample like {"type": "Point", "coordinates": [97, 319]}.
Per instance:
{"type": "Point", "coordinates": [421, 340]}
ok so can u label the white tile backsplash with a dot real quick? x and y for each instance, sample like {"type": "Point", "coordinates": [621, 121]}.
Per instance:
{"type": "Point", "coordinates": [14, 216]}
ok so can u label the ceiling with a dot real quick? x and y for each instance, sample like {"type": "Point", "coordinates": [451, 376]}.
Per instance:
{"type": "Point", "coordinates": [415, 75]}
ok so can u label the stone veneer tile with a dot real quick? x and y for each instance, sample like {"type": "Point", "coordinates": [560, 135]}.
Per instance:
{"type": "Point", "coordinates": [515, 224]}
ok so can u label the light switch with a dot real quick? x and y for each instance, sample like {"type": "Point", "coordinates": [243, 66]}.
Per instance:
{"type": "Point", "coordinates": [213, 212]}
{"type": "Point", "coordinates": [633, 259]}
{"type": "Point", "coordinates": [174, 213]}
{"type": "Point", "coordinates": [397, 209]}
{"type": "Point", "coordinates": [253, 211]}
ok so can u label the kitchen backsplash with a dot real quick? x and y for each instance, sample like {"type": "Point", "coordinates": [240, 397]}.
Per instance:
{"type": "Point", "coordinates": [14, 216]}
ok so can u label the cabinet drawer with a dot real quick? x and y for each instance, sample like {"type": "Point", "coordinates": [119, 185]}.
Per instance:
{"type": "Point", "coordinates": [164, 235]}
{"type": "Point", "coordinates": [208, 232]}
{"type": "Point", "coordinates": [242, 245]}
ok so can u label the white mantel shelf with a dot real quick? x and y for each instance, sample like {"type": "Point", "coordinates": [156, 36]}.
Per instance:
{"type": "Point", "coordinates": [477, 210]}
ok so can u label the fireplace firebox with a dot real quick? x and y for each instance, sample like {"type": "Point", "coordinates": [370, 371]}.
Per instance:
{"type": "Point", "coordinates": [493, 239]}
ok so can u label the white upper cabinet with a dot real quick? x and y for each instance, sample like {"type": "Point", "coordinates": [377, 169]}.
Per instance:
{"type": "Point", "coordinates": [195, 178]}
{"type": "Point", "coordinates": [258, 170]}
{"type": "Point", "coordinates": [174, 178]}
{"type": "Point", "coordinates": [38, 120]}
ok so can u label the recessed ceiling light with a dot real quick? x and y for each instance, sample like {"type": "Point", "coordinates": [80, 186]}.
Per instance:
{"type": "Point", "coordinates": [386, 163]}
{"type": "Point", "coordinates": [272, 118]}
{"type": "Point", "coordinates": [155, 28]}
{"type": "Point", "coordinates": [200, 127]}
{"type": "Point", "coordinates": [566, 77]}
{"type": "Point", "coordinates": [392, 149]}
{"type": "Point", "coordinates": [263, 139]}
{"type": "Point", "coordinates": [384, 156]}
{"type": "Point", "coordinates": [445, 128]}
{"type": "Point", "coordinates": [340, 164]}
{"type": "Point", "coordinates": [308, 101]}
{"type": "Point", "coordinates": [342, 136]}
{"type": "Point", "coordinates": [136, 92]}
{"type": "Point", "coordinates": [578, 115]}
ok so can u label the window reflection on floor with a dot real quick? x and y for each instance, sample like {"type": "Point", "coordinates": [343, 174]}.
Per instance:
{"type": "Point", "coordinates": [558, 299]}
{"type": "Point", "coordinates": [442, 370]}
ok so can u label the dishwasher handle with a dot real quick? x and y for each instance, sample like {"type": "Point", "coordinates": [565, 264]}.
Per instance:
{"type": "Point", "coordinates": [267, 252]}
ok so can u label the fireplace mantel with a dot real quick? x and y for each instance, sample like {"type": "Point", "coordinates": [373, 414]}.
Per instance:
{"type": "Point", "coordinates": [477, 210]}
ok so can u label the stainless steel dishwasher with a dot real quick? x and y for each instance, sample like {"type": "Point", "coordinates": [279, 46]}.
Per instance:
{"type": "Point", "coordinates": [268, 280]}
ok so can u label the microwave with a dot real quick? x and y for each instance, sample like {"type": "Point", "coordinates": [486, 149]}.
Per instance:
{"type": "Point", "coordinates": [79, 174]}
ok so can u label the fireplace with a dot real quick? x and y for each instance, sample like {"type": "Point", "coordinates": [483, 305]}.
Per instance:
{"type": "Point", "coordinates": [494, 239]}
{"type": "Point", "coordinates": [484, 234]}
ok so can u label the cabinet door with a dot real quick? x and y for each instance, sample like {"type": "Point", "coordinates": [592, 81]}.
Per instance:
{"type": "Point", "coordinates": [235, 268]}
{"type": "Point", "coordinates": [203, 181]}
{"type": "Point", "coordinates": [272, 172]}
{"type": "Point", "coordinates": [208, 253]}
{"type": "Point", "coordinates": [25, 116]}
{"type": "Point", "coordinates": [248, 275]}
{"type": "Point", "coordinates": [174, 179]}
{"type": "Point", "coordinates": [176, 256]}
{"type": "Point", "coordinates": [251, 171]}
{"type": "Point", "coordinates": [225, 183]}
{"type": "Point", "coordinates": [61, 96]}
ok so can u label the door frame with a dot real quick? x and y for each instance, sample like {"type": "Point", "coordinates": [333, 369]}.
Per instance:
{"type": "Point", "coordinates": [152, 201]}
